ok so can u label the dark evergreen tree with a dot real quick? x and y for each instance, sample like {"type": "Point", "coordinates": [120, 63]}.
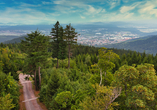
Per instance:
{"type": "Point", "coordinates": [139, 58]}
{"type": "Point", "coordinates": [55, 32]}
{"type": "Point", "coordinates": [150, 59]}
{"type": "Point", "coordinates": [155, 62]}
{"type": "Point", "coordinates": [144, 57]}
{"type": "Point", "coordinates": [70, 37]}
{"type": "Point", "coordinates": [124, 60]}
{"type": "Point", "coordinates": [134, 58]}
{"type": "Point", "coordinates": [36, 47]}
{"type": "Point", "coordinates": [62, 46]}
{"type": "Point", "coordinates": [129, 58]}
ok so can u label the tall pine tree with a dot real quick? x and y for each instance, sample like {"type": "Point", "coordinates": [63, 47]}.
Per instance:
{"type": "Point", "coordinates": [62, 45]}
{"type": "Point", "coordinates": [35, 46]}
{"type": "Point", "coordinates": [70, 36]}
{"type": "Point", "coordinates": [56, 41]}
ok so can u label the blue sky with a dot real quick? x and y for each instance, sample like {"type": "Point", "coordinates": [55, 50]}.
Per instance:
{"type": "Point", "coordinates": [35, 12]}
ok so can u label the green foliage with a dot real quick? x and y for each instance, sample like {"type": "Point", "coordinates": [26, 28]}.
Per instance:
{"type": "Point", "coordinates": [9, 86]}
{"type": "Point", "coordinates": [139, 85]}
{"type": "Point", "coordinates": [105, 62]}
{"type": "Point", "coordinates": [102, 100]}
{"type": "Point", "coordinates": [64, 99]}
{"type": "Point", "coordinates": [71, 38]}
{"type": "Point", "coordinates": [58, 43]}
{"type": "Point", "coordinates": [10, 62]}
{"type": "Point", "coordinates": [53, 84]}
{"type": "Point", "coordinates": [6, 103]}
{"type": "Point", "coordinates": [59, 82]}
{"type": "Point", "coordinates": [36, 48]}
{"type": "Point", "coordinates": [62, 54]}
{"type": "Point", "coordinates": [106, 59]}
{"type": "Point", "coordinates": [43, 93]}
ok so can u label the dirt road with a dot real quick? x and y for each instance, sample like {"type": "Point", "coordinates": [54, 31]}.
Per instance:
{"type": "Point", "coordinates": [30, 99]}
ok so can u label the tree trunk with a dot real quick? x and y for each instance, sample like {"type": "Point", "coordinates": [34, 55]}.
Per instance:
{"type": "Point", "coordinates": [39, 77]}
{"type": "Point", "coordinates": [35, 80]}
{"type": "Point", "coordinates": [69, 57]}
{"type": "Point", "coordinates": [100, 77]}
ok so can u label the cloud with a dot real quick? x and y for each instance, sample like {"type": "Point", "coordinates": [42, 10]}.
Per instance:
{"type": "Point", "coordinates": [129, 15]}
{"type": "Point", "coordinates": [92, 9]}
{"type": "Point", "coordinates": [25, 16]}
{"type": "Point", "coordinates": [125, 1]}
{"type": "Point", "coordinates": [82, 17]}
{"type": "Point", "coordinates": [46, 3]}
{"type": "Point", "coordinates": [68, 7]}
{"type": "Point", "coordinates": [149, 8]}
{"type": "Point", "coordinates": [69, 3]}
{"type": "Point", "coordinates": [126, 8]}
{"type": "Point", "coordinates": [47, 11]}
{"type": "Point", "coordinates": [113, 3]}
{"type": "Point", "coordinates": [28, 5]}
{"type": "Point", "coordinates": [78, 7]}
{"type": "Point", "coordinates": [103, 10]}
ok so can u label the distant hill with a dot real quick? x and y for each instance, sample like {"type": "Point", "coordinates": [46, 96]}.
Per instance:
{"type": "Point", "coordinates": [147, 44]}
{"type": "Point", "coordinates": [4, 38]}
{"type": "Point", "coordinates": [15, 40]}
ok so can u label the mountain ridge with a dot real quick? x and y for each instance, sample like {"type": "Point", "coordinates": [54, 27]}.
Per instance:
{"type": "Point", "coordinates": [147, 44]}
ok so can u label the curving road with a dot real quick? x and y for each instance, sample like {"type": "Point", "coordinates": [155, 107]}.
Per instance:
{"type": "Point", "coordinates": [30, 99]}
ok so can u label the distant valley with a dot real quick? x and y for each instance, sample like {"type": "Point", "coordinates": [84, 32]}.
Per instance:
{"type": "Point", "coordinates": [119, 35]}
{"type": "Point", "coordinates": [94, 34]}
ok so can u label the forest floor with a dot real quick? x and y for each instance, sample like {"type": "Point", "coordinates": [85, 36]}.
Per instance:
{"type": "Point", "coordinates": [28, 96]}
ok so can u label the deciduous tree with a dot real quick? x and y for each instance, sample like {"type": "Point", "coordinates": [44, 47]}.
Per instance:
{"type": "Point", "coordinates": [139, 85]}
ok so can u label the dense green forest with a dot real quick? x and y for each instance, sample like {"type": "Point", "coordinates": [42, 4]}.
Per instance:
{"type": "Point", "coordinates": [71, 76]}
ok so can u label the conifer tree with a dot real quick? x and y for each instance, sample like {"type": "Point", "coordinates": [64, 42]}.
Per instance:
{"type": "Point", "coordinates": [144, 57]}
{"type": "Point", "coordinates": [35, 46]}
{"type": "Point", "coordinates": [58, 47]}
{"type": "Point", "coordinates": [150, 59]}
{"type": "Point", "coordinates": [134, 58]}
{"type": "Point", "coordinates": [139, 58]}
{"type": "Point", "coordinates": [62, 46]}
{"type": "Point", "coordinates": [124, 60]}
{"type": "Point", "coordinates": [70, 36]}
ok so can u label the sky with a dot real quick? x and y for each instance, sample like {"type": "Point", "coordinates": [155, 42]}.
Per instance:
{"type": "Point", "coordinates": [46, 12]}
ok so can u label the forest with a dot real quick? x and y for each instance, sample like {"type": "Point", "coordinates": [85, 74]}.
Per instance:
{"type": "Point", "coordinates": [76, 77]}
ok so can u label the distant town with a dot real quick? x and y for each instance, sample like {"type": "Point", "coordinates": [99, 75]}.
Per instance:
{"type": "Point", "coordinates": [99, 38]}
{"type": "Point", "coordinates": [87, 36]}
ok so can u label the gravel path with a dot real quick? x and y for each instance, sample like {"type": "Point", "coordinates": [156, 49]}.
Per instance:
{"type": "Point", "coordinates": [30, 99]}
